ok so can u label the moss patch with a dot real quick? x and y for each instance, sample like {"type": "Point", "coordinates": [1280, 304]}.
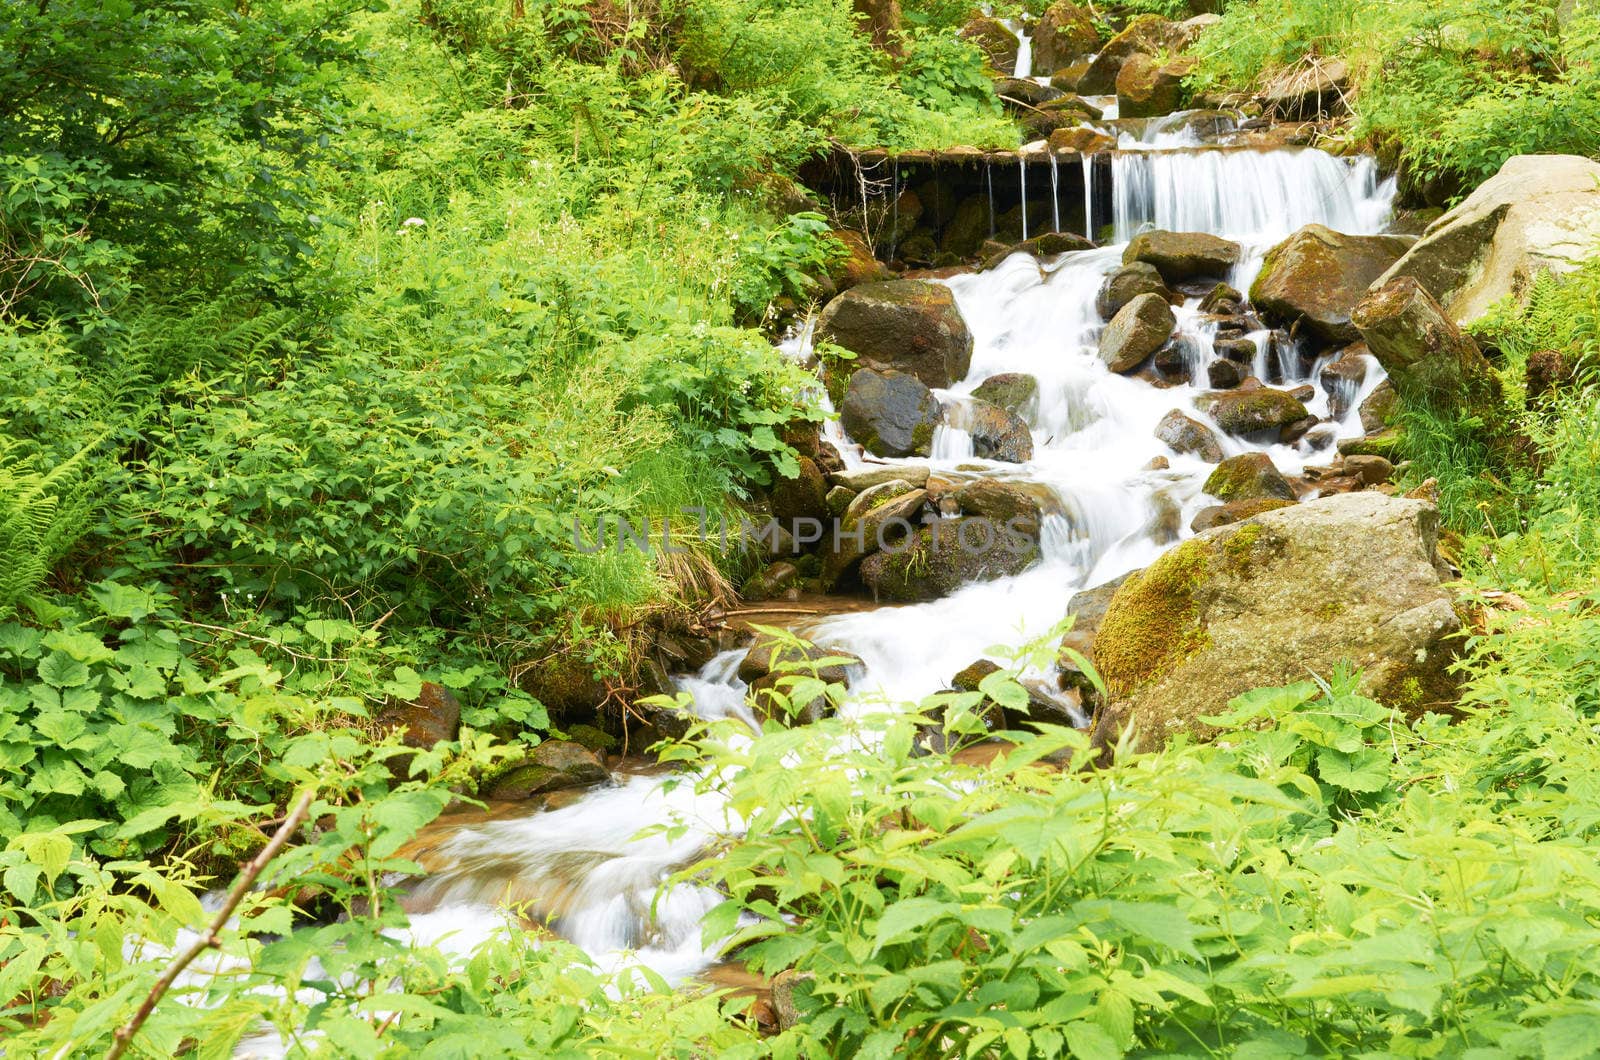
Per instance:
{"type": "Point", "coordinates": [1153, 622]}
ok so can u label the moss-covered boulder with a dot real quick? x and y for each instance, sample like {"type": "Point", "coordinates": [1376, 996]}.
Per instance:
{"type": "Point", "coordinates": [1245, 411]}
{"type": "Point", "coordinates": [1248, 476]}
{"type": "Point", "coordinates": [904, 325]}
{"type": "Point", "coordinates": [890, 413]}
{"type": "Point", "coordinates": [1148, 89]}
{"type": "Point", "coordinates": [1080, 140]}
{"type": "Point", "coordinates": [1353, 578]}
{"type": "Point", "coordinates": [1015, 392]}
{"type": "Point", "coordinates": [1139, 329]}
{"type": "Point", "coordinates": [1064, 34]}
{"type": "Point", "coordinates": [1317, 276]}
{"type": "Point", "coordinates": [1005, 504]}
{"type": "Point", "coordinates": [555, 765]}
{"type": "Point", "coordinates": [1181, 256]}
{"type": "Point", "coordinates": [1128, 283]}
{"type": "Point", "coordinates": [857, 265]}
{"type": "Point", "coordinates": [1429, 359]}
{"type": "Point", "coordinates": [1380, 407]}
{"type": "Point", "coordinates": [950, 553]}
{"type": "Point", "coordinates": [1183, 434]}
{"type": "Point", "coordinates": [880, 517]}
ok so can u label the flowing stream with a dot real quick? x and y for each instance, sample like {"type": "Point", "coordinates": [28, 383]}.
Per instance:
{"type": "Point", "coordinates": [584, 868]}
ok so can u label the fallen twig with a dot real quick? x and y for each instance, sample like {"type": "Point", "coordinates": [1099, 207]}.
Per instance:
{"type": "Point", "coordinates": [212, 938]}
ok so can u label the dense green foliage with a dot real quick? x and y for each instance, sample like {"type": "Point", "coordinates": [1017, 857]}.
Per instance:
{"type": "Point", "coordinates": [321, 323]}
{"type": "Point", "coordinates": [1458, 86]}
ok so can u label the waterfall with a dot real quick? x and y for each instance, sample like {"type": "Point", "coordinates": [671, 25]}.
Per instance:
{"type": "Point", "coordinates": [1088, 197]}
{"type": "Point", "coordinates": [1055, 194]}
{"type": "Point", "coordinates": [988, 179]}
{"type": "Point", "coordinates": [1256, 197]}
{"type": "Point", "coordinates": [1023, 67]}
{"type": "Point", "coordinates": [1022, 169]}
{"type": "Point", "coordinates": [894, 223]}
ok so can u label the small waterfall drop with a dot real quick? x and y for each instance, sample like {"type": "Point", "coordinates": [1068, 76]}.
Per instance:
{"type": "Point", "coordinates": [1055, 194]}
{"type": "Point", "coordinates": [1022, 179]}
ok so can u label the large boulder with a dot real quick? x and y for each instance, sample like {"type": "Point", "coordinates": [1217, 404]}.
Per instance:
{"type": "Point", "coordinates": [1128, 283]}
{"type": "Point", "coordinates": [1248, 476]}
{"type": "Point", "coordinates": [1139, 329]}
{"type": "Point", "coordinates": [1429, 359]}
{"type": "Point", "coordinates": [1247, 411]}
{"type": "Point", "coordinates": [1064, 34]}
{"type": "Point", "coordinates": [904, 325]}
{"type": "Point", "coordinates": [1005, 504]}
{"type": "Point", "coordinates": [1539, 213]}
{"type": "Point", "coordinates": [1318, 275]}
{"type": "Point", "coordinates": [1184, 434]}
{"type": "Point", "coordinates": [555, 765]}
{"type": "Point", "coordinates": [1180, 256]}
{"type": "Point", "coordinates": [996, 433]}
{"type": "Point", "coordinates": [1354, 578]}
{"type": "Point", "coordinates": [878, 518]}
{"type": "Point", "coordinates": [890, 413]}
{"type": "Point", "coordinates": [1148, 89]}
{"type": "Point", "coordinates": [942, 557]}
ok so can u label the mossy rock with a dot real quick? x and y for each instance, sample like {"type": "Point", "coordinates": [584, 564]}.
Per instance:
{"type": "Point", "coordinates": [1016, 392]}
{"type": "Point", "coordinates": [1350, 578]}
{"type": "Point", "coordinates": [942, 557]}
{"type": "Point", "coordinates": [1248, 476]}
{"type": "Point", "coordinates": [1318, 275]}
{"type": "Point", "coordinates": [1388, 444]}
{"type": "Point", "coordinates": [1235, 512]}
{"type": "Point", "coordinates": [892, 414]}
{"type": "Point", "coordinates": [910, 326]}
{"type": "Point", "coordinates": [1243, 412]}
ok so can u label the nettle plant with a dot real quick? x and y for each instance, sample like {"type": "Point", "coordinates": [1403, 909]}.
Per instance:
{"type": "Point", "coordinates": [1305, 884]}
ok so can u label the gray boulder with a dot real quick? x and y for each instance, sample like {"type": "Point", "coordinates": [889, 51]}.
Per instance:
{"type": "Point", "coordinates": [1429, 359]}
{"type": "Point", "coordinates": [1540, 213]}
{"type": "Point", "coordinates": [1181, 256]}
{"type": "Point", "coordinates": [1187, 435]}
{"type": "Point", "coordinates": [996, 433]}
{"type": "Point", "coordinates": [1128, 283]}
{"type": "Point", "coordinates": [946, 555]}
{"type": "Point", "coordinates": [890, 413]}
{"type": "Point", "coordinates": [1015, 392]}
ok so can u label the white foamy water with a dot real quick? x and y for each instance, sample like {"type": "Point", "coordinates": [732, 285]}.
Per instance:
{"type": "Point", "coordinates": [586, 870]}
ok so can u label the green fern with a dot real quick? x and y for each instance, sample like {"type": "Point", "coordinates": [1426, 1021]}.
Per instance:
{"type": "Point", "coordinates": [42, 515]}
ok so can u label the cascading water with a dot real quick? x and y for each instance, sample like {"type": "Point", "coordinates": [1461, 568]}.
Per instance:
{"type": "Point", "coordinates": [1055, 194]}
{"type": "Point", "coordinates": [1111, 508]}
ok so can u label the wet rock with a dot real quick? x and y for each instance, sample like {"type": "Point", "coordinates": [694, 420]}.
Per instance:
{"type": "Point", "coordinates": [1239, 351]}
{"type": "Point", "coordinates": [1342, 379]}
{"type": "Point", "coordinates": [771, 582]}
{"type": "Point", "coordinates": [903, 325]}
{"type": "Point", "coordinates": [1063, 35]}
{"type": "Point", "coordinates": [1302, 393]}
{"type": "Point", "coordinates": [555, 765]}
{"type": "Point", "coordinates": [1248, 476]}
{"type": "Point", "coordinates": [1004, 504]}
{"type": "Point", "coordinates": [1268, 601]}
{"type": "Point", "coordinates": [433, 717]}
{"type": "Point", "coordinates": [1080, 140]}
{"type": "Point", "coordinates": [1145, 35]}
{"type": "Point", "coordinates": [1171, 361]}
{"type": "Point", "coordinates": [1429, 359]}
{"type": "Point", "coordinates": [858, 479]}
{"type": "Point", "coordinates": [1087, 608]}
{"type": "Point", "coordinates": [1247, 411]}
{"type": "Point", "coordinates": [1225, 375]}
{"type": "Point", "coordinates": [1379, 408]}
{"type": "Point", "coordinates": [1147, 89]}
{"type": "Point", "coordinates": [1235, 512]}
{"type": "Point", "coordinates": [801, 497]}
{"type": "Point", "coordinates": [1044, 707]}
{"type": "Point", "coordinates": [1075, 105]}
{"type": "Point", "coordinates": [890, 413]}
{"type": "Point", "coordinates": [998, 44]}
{"type": "Point", "coordinates": [1015, 392]}
{"type": "Point", "coordinates": [946, 555]}
{"type": "Point", "coordinates": [1290, 433]}
{"type": "Point", "coordinates": [1158, 463]}
{"type": "Point", "coordinates": [1046, 246]}
{"type": "Point", "coordinates": [881, 517]}
{"type": "Point", "coordinates": [1538, 213]}
{"type": "Point", "coordinates": [1370, 469]}
{"type": "Point", "coordinates": [778, 655]}
{"type": "Point", "coordinates": [1385, 444]}
{"type": "Point", "coordinates": [1128, 283]}
{"type": "Point", "coordinates": [788, 699]}
{"type": "Point", "coordinates": [1021, 90]}
{"type": "Point", "coordinates": [1222, 300]}
{"type": "Point", "coordinates": [1189, 436]}
{"type": "Point", "coordinates": [1138, 330]}
{"type": "Point", "coordinates": [828, 459]}
{"type": "Point", "coordinates": [996, 433]}
{"type": "Point", "coordinates": [1067, 77]}
{"type": "Point", "coordinates": [838, 500]}
{"type": "Point", "coordinates": [1308, 90]}
{"type": "Point", "coordinates": [1183, 256]}
{"type": "Point", "coordinates": [1317, 276]}
{"type": "Point", "coordinates": [858, 265]}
